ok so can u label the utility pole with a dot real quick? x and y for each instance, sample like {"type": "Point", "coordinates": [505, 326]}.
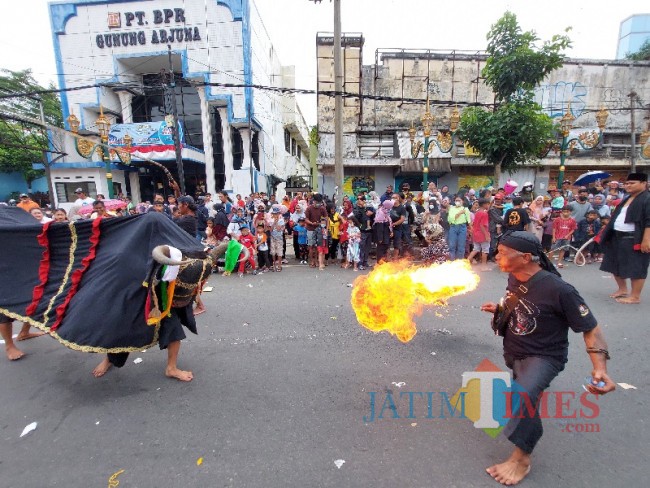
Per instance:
{"type": "Point", "coordinates": [46, 164]}
{"type": "Point", "coordinates": [632, 96]}
{"type": "Point", "coordinates": [177, 141]}
{"type": "Point", "coordinates": [338, 101]}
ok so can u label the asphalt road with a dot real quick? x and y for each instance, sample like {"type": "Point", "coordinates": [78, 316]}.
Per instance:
{"type": "Point", "coordinates": [282, 375]}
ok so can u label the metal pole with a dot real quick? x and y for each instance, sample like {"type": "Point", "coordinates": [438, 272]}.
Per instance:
{"type": "Point", "coordinates": [632, 96]}
{"type": "Point", "coordinates": [425, 165]}
{"type": "Point", "coordinates": [177, 141]}
{"type": "Point", "coordinates": [338, 101]}
{"type": "Point", "coordinates": [107, 164]}
{"type": "Point", "coordinates": [563, 149]}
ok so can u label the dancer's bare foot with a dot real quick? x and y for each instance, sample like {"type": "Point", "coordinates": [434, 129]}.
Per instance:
{"type": "Point", "coordinates": [13, 353]}
{"type": "Point", "coordinates": [199, 311]}
{"type": "Point", "coordinates": [179, 374]}
{"type": "Point", "coordinates": [513, 470]}
{"type": "Point", "coordinates": [619, 294]}
{"type": "Point", "coordinates": [628, 300]}
{"type": "Point", "coordinates": [23, 336]}
{"type": "Point", "coordinates": [101, 369]}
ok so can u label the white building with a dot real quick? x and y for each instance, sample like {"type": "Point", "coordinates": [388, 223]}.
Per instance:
{"type": "Point", "coordinates": [234, 136]}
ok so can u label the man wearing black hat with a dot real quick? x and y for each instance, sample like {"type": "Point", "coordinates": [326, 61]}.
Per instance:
{"type": "Point", "coordinates": [536, 315]}
{"type": "Point", "coordinates": [626, 240]}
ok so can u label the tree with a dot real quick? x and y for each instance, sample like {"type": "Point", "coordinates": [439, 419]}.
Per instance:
{"type": "Point", "coordinates": [643, 54]}
{"type": "Point", "coordinates": [516, 131]}
{"type": "Point", "coordinates": [22, 144]}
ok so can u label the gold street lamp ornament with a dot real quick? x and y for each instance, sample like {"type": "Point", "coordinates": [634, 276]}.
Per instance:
{"type": "Point", "coordinates": [444, 141]}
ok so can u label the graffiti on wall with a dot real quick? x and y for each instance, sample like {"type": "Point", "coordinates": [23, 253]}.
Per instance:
{"type": "Point", "coordinates": [554, 98]}
{"type": "Point", "coordinates": [354, 184]}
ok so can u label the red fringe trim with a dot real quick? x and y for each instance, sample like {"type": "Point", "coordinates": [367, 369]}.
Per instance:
{"type": "Point", "coordinates": [78, 274]}
{"type": "Point", "coordinates": [43, 270]}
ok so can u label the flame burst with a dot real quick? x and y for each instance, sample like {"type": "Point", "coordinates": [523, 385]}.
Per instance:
{"type": "Point", "coordinates": [390, 296]}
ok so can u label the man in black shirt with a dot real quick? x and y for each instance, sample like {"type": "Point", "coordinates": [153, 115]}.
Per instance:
{"type": "Point", "coordinates": [536, 341]}
{"type": "Point", "coordinates": [366, 217]}
{"type": "Point", "coordinates": [516, 218]}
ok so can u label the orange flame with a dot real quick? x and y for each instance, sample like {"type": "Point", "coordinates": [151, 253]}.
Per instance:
{"type": "Point", "coordinates": [393, 293]}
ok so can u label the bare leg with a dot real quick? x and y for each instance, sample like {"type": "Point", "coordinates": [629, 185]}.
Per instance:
{"type": "Point", "coordinates": [200, 307]}
{"type": "Point", "coordinates": [24, 333]}
{"type": "Point", "coordinates": [635, 296]}
{"type": "Point", "coordinates": [471, 256]}
{"type": "Point", "coordinates": [101, 369]}
{"type": "Point", "coordinates": [13, 353]}
{"type": "Point", "coordinates": [172, 370]}
{"type": "Point", "coordinates": [321, 261]}
{"type": "Point", "coordinates": [622, 288]}
{"type": "Point", "coordinates": [512, 470]}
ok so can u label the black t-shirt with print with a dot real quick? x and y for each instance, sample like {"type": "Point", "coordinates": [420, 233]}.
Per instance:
{"type": "Point", "coordinates": [397, 212]}
{"type": "Point", "coordinates": [516, 219]}
{"type": "Point", "coordinates": [540, 324]}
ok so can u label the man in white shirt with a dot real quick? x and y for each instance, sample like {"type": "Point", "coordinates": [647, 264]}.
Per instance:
{"type": "Point", "coordinates": [82, 199]}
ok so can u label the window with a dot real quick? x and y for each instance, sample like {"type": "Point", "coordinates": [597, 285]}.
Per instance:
{"type": "Point", "coordinates": [255, 150]}
{"type": "Point", "coordinates": [287, 140]}
{"type": "Point", "coordinates": [65, 191]}
{"type": "Point", "coordinates": [293, 147]}
{"type": "Point", "coordinates": [237, 149]}
{"type": "Point", "coordinates": [377, 145]}
{"type": "Point", "coordinates": [299, 153]}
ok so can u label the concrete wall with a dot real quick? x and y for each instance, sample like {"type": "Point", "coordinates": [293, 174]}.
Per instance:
{"type": "Point", "coordinates": [15, 183]}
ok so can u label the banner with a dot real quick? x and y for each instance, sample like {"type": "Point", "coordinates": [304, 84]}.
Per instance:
{"type": "Point", "coordinates": [152, 135]}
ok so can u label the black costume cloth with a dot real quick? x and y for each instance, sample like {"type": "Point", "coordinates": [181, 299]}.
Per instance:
{"type": "Point", "coordinates": [85, 282]}
{"type": "Point", "coordinates": [620, 256]}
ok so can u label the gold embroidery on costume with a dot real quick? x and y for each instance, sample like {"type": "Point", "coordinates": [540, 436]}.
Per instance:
{"type": "Point", "coordinates": [66, 276]}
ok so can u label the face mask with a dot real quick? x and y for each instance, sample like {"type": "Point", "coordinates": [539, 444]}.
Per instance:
{"type": "Point", "coordinates": [458, 204]}
{"type": "Point", "coordinates": [322, 225]}
{"type": "Point", "coordinates": [582, 199]}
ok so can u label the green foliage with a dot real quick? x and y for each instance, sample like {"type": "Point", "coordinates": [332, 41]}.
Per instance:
{"type": "Point", "coordinates": [314, 138]}
{"type": "Point", "coordinates": [643, 54]}
{"type": "Point", "coordinates": [516, 131]}
{"type": "Point", "coordinates": [15, 134]}
{"type": "Point", "coordinates": [515, 63]}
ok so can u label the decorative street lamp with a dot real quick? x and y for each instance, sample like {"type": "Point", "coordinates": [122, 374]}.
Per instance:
{"type": "Point", "coordinates": [445, 141]}
{"type": "Point", "coordinates": [86, 147]}
{"type": "Point", "coordinates": [644, 140]}
{"type": "Point", "coordinates": [587, 140]}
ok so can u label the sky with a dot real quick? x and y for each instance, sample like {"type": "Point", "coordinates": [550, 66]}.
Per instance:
{"type": "Point", "coordinates": [410, 24]}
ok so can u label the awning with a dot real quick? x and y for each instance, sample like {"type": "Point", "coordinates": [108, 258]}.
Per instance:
{"type": "Point", "coordinates": [436, 165]}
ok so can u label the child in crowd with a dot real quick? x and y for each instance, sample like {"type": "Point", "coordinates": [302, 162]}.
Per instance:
{"type": "Point", "coordinates": [247, 240]}
{"type": "Point", "coordinates": [343, 239]}
{"type": "Point", "coordinates": [277, 236]}
{"type": "Point", "coordinates": [563, 229]}
{"type": "Point", "coordinates": [481, 232]}
{"type": "Point", "coordinates": [300, 229]}
{"type": "Point", "coordinates": [322, 242]}
{"type": "Point", "coordinates": [547, 236]}
{"type": "Point", "coordinates": [588, 228]}
{"type": "Point", "coordinates": [354, 240]}
{"type": "Point", "coordinates": [210, 239]}
{"type": "Point", "coordinates": [557, 203]}
{"type": "Point", "coordinates": [263, 259]}
{"type": "Point", "coordinates": [598, 250]}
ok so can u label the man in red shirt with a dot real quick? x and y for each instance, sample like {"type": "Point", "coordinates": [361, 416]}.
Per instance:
{"type": "Point", "coordinates": [563, 229]}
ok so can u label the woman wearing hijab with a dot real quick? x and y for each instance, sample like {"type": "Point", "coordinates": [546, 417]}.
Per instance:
{"type": "Point", "coordinates": [383, 229]}
{"type": "Point", "coordinates": [373, 199]}
{"type": "Point", "coordinates": [537, 214]}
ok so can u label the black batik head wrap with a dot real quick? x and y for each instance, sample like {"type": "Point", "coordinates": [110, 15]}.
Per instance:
{"type": "Point", "coordinates": [528, 243]}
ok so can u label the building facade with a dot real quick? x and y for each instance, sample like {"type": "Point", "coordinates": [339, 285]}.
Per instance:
{"type": "Point", "coordinates": [116, 57]}
{"type": "Point", "coordinates": [633, 32]}
{"type": "Point", "coordinates": [377, 148]}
